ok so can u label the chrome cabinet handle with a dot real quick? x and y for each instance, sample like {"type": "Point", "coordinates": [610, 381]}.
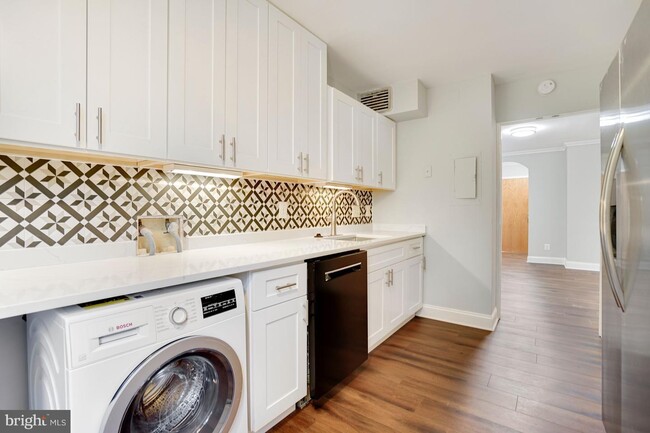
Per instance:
{"type": "Point", "coordinates": [388, 278]}
{"type": "Point", "coordinates": [392, 275]}
{"type": "Point", "coordinates": [381, 177]}
{"type": "Point", "coordinates": [416, 247]}
{"type": "Point", "coordinates": [306, 159]}
{"type": "Point", "coordinates": [100, 125]}
{"type": "Point", "coordinates": [300, 160]}
{"type": "Point", "coordinates": [285, 286]}
{"type": "Point", "coordinates": [222, 142]}
{"type": "Point", "coordinates": [605, 220]}
{"type": "Point", "coordinates": [77, 116]}
{"type": "Point", "coordinates": [233, 158]}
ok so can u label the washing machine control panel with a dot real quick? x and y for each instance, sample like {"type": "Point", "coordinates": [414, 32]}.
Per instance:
{"type": "Point", "coordinates": [176, 315]}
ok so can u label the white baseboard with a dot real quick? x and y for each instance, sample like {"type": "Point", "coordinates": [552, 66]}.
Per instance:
{"type": "Point", "coordinates": [546, 260]}
{"type": "Point", "coordinates": [583, 266]}
{"type": "Point", "coordinates": [460, 317]}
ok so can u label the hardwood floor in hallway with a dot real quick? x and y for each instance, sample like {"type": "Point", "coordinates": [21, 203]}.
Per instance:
{"type": "Point", "coordinates": [538, 372]}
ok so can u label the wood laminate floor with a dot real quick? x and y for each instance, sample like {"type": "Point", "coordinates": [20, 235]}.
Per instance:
{"type": "Point", "coordinates": [538, 372]}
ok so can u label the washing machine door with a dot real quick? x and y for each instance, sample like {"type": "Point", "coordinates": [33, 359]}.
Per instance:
{"type": "Point", "coordinates": [191, 385]}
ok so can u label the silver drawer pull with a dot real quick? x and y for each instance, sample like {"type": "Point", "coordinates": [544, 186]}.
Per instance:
{"type": "Point", "coordinates": [285, 287]}
{"type": "Point", "coordinates": [416, 247]}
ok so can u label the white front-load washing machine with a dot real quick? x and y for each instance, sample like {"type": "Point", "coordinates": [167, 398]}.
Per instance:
{"type": "Point", "coordinates": [170, 360]}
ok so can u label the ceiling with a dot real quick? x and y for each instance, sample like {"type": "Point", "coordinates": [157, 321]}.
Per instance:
{"type": "Point", "coordinates": [553, 132]}
{"type": "Point", "coordinates": [379, 42]}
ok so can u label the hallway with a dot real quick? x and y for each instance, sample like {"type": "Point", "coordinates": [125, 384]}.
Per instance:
{"type": "Point", "coordinates": [538, 372]}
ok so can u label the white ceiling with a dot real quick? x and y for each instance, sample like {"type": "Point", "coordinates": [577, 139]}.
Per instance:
{"type": "Point", "coordinates": [379, 42]}
{"type": "Point", "coordinates": [553, 132]}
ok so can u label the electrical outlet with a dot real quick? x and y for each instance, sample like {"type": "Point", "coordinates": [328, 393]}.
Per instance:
{"type": "Point", "coordinates": [283, 208]}
{"type": "Point", "coordinates": [547, 247]}
{"type": "Point", "coordinates": [427, 171]}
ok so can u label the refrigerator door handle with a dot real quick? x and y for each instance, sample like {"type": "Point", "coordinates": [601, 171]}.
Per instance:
{"type": "Point", "coordinates": [605, 220]}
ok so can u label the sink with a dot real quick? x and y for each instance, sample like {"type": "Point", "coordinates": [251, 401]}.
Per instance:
{"type": "Point", "coordinates": [357, 238]}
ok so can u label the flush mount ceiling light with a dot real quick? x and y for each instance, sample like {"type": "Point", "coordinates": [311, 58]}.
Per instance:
{"type": "Point", "coordinates": [523, 131]}
{"type": "Point", "coordinates": [201, 171]}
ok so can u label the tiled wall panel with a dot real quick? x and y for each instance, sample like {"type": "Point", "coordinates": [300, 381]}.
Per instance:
{"type": "Point", "coordinates": [50, 202]}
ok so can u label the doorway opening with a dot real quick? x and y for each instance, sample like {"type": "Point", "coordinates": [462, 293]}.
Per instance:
{"type": "Point", "coordinates": [514, 209]}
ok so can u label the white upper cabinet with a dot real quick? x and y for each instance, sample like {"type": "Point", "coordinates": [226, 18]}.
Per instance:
{"type": "Point", "coordinates": [344, 166]}
{"type": "Point", "coordinates": [197, 81]}
{"type": "Point", "coordinates": [315, 105]}
{"type": "Point", "coordinates": [246, 89]}
{"type": "Point", "coordinates": [297, 99]}
{"type": "Point", "coordinates": [362, 144]}
{"type": "Point", "coordinates": [286, 128]}
{"type": "Point", "coordinates": [43, 71]}
{"type": "Point", "coordinates": [384, 176]}
{"type": "Point", "coordinates": [127, 77]}
{"type": "Point", "coordinates": [365, 121]}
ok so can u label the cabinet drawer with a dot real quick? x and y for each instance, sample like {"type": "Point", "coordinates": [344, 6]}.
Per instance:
{"type": "Point", "coordinates": [390, 254]}
{"type": "Point", "coordinates": [414, 248]}
{"type": "Point", "coordinates": [277, 285]}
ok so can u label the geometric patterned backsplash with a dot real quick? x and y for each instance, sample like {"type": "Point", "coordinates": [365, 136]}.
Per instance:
{"type": "Point", "coordinates": [49, 202]}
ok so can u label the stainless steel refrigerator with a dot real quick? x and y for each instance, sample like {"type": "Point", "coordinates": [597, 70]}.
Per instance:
{"type": "Point", "coordinates": [625, 232]}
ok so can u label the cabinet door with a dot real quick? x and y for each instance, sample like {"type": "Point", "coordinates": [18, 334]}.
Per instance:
{"type": "Point", "coordinates": [42, 70]}
{"type": "Point", "coordinates": [377, 281]}
{"type": "Point", "coordinates": [413, 286]}
{"type": "Point", "coordinates": [364, 137]}
{"type": "Point", "coordinates": [197, 81]}
{"type": "Point", "coordinates": [394, 297]}
{"type": "Point", "coordinates": [127, 77]}
{"type": "Point", "coordinates": [343, 151]}
{"type": "Point", "coordinates": [286, 128]}
{"type": "Point", "coordinates": [278, 360]}
{"type": "Point", "coordinates": [314, 73]}
{"type": "Point", "coordinates": [384, 176]}
{"type": "Point", "coordinates": [246, 83]}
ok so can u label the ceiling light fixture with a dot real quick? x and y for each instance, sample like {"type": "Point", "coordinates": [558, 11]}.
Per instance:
{"type": "Point", "coordinates": [523, 131]}
{"type": "Point", "coordinates": [201, 171]}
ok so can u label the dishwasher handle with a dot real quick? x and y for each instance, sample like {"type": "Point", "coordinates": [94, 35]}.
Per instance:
{"type": "Point", "coordinates": [330, 275]}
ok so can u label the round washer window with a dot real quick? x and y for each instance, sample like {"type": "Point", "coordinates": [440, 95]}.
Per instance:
{"type": "Point", "coordinates": [180, 390]}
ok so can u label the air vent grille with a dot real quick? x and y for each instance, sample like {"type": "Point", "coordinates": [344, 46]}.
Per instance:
{"type": "Point", "coordinates": [379, 99]}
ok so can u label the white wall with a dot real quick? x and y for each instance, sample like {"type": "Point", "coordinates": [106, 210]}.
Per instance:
{"type": "Point", "coordinates": [547, 203]}
{"type": "Point", "coordinates": [576, 90]}
{"type": "Point", "coordinates": [13, 364]}
{"type": "Point", "coordinates": [460, 241]}
{"type": "Point", "coordinates": [583, 195]}
{"type": "Point", "coordinates": [513, 170]}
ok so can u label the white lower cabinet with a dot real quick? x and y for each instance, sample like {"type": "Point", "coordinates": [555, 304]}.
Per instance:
{"type": "Point", "coordinates": [376, 282]}
{"type": "Point", "coordinates": [279, 353]}
{"type": "Point", "coordinates": [413, 287]}
{"type": "Point", "coordinates": [394, 291]}
{"type": "Point", "coordinates": [277, 342]}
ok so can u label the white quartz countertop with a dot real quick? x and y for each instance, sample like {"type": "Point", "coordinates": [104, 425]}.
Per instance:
{"type": "Point", "coordinates": [33, 289]}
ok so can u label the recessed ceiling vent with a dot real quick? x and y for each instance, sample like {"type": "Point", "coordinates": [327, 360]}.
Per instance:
{"type": "Point", "coordinates": [379, 99]}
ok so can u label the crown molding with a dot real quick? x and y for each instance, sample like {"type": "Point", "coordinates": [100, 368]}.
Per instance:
{"type": "Point", "coordinates": [534, 151]}
{"type": "Point", "coordinates": [582, 143]}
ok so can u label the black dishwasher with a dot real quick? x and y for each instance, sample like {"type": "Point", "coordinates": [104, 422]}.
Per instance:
{"type": "Point", "coordinates": [337, 290]}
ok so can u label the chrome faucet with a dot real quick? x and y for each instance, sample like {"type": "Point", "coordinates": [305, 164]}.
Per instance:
{"type": "Point", "coordinates": [339, 193]}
